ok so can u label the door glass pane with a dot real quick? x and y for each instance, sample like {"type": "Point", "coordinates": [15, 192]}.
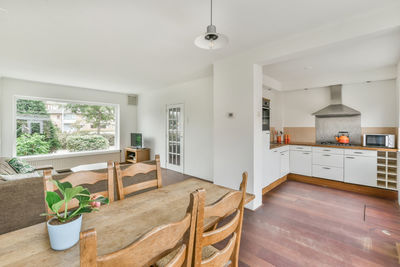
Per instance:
{"type": "Point", "coordinates": [178, 148]}
{"type": "Point", "coordinates": [170, 159]}
{"type": "Point", "coordinates": [178, 160]}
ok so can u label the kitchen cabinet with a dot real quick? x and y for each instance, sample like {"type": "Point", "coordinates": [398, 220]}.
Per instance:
{"type": "Point", "coordinates": [301, 162]}
{"type": "Point", "coordinates": [327, 163]}
{"type": "Point", "coordinates": [284, 160]}
{"type": "Point", "coordinates": [276, 165]}
{"type": "Point", "coordinates": [360, 167]}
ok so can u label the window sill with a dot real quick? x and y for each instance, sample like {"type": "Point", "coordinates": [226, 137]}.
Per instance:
{"type": "Point", "coordinates": [71, 154]}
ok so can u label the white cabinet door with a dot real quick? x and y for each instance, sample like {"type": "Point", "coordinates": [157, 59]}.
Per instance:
{"type": "Point", "coordinates": [284, 163]}
{"type": "Point", "coordinates": [301, 162]}
{"type": "Point", "coordinates": [360, 170]}
{"type": "Point", "coordinates": [276, 164]}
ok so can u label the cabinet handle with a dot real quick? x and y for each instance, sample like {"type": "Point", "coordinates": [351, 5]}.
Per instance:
{"type": "Point", "coordinates": [306, 153]}
{"type": "Point", "coordinates": [326, 168]}
{"type": "Point", "coordinates": [357, 152]}
{"type": "Point", "coordinates": [326, 155]}
{"type": "Point", "coordinates": [326, 150]}
{"type": "Point", "coordinates": [350, 157]}
{"type": "Point", "coordinates": [299, 148]}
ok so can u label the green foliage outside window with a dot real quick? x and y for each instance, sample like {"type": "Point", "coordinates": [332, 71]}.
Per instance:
{"type": "Point", "coordinates": [37, 131]}
{"type": "Point", "coordinates": [98, 116]}
{"type": "Point", "coordinates": [33, 108]}
{"type": "Point", "coordinates": [86, 143]}
{"type": "Point", "coordinates": [32, 145]}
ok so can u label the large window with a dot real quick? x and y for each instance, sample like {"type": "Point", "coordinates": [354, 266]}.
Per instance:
{"type": "Point", "coordinates": [59, 127]}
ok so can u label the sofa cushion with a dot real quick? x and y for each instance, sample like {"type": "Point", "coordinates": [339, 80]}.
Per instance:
{"type": "Point", "coordinates": [20, 165]}
{"type": "Point", "coordinates": [5, 168]}
{"type": "Point", "coordinates": [18, 176]}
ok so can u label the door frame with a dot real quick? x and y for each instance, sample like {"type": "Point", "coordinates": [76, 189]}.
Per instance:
{"type": "Point", "coordinates": [182, 106]}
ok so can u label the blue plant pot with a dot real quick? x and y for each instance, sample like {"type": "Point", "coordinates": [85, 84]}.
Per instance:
{"type": "Point", "coordinates": [65, 235]}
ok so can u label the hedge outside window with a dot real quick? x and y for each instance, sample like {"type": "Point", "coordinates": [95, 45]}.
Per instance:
{"type": "Point", "coordinates": [59, 127]}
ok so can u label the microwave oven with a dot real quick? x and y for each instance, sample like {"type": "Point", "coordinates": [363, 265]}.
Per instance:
{"type": "Point", "coordinates": [379, 140]}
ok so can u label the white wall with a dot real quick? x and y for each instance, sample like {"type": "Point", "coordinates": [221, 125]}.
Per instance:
{"type": "Point", "coordinates": [376, 101]}
{"type": "Point", "coordinates": [13, 87]}
{"type": "Point", "coordinates": [300, 104]}
{"type": "Point", "coordinates": [238, 140]}
{"type": "Point", "coordinates": [197, 97]}
{"type": "Point", "coordinates": [1, 116]}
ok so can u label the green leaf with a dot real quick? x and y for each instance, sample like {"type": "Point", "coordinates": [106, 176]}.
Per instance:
{"type": "Point", "coordinates": [51, 198]}
{"type": "Point", "coordinates": [62, 186]}
{"type": "Point", "coordinates": [70, 193]}
{"type": "Point", "coordinates": [84, 196]}
{"type": "Point", "coordinates": [84, 210]}
{"type": "Point", "coordinates": [56, 206]}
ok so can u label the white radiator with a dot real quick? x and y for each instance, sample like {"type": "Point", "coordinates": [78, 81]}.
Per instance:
{"type": "Point", "coordinates": [70, 162]}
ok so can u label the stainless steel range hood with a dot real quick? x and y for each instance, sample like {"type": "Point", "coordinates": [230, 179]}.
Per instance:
{"type": "Point", "coordinates": [336, 108]}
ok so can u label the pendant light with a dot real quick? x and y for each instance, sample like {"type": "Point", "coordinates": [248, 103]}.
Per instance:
{"type": "Point", "coordinates": [211, 39]}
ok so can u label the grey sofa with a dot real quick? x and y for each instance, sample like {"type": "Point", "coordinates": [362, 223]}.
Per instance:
{"type": "Point", "coordinates": [22, 201]}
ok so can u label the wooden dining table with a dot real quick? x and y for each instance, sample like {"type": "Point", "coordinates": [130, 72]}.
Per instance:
{"type": "Point", "coordinates": [118, 224]}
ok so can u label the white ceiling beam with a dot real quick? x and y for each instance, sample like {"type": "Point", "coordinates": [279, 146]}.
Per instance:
{"type": "Point", "coordinates": [272, 83]}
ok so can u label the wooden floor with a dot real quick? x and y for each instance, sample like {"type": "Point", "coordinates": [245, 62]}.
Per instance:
{"type": "Point", "coordinates": [308, 225]}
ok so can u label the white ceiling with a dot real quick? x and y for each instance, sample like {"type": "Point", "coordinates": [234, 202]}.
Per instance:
{"type": "Point", "coordinates": [364, 59]}
{"type": "Point", "coordinates": [130, 46]}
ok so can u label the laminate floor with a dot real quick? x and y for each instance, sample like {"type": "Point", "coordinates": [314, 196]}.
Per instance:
{"type": "Point", "coordinates": [307, 225]}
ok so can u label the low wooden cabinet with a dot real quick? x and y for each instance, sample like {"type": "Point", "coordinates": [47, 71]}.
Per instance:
{"type": "Point", "coordinates": [135, 155]}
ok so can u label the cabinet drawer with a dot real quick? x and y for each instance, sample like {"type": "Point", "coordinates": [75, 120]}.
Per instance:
{"type": "Point", "coordinates": [329, 150]}
{"type": "Point", "coordinates": [300, 148]}
{"type": "Point", "coordinates": [326, 172]}
{"type": "Point", "coordinates": [328, 159]}
{"type": "Point", "coordinates": [360, 152]}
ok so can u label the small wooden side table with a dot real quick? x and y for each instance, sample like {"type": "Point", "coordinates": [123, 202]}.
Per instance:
{"type": "Point", "coordinates": [135, 155]}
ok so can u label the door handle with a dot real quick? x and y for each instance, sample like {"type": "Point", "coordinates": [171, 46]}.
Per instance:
{"type": "Point", "coordinates": [350, 157]}
{"type": "Point", "coordinates": [326, 168]}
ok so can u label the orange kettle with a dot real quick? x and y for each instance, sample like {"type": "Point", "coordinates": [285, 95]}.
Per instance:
{"type": "Point", "coordinates": [343, 137]}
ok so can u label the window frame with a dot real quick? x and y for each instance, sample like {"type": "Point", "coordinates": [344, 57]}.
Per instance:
{"type": "Point", "coordinates": [67, 154]}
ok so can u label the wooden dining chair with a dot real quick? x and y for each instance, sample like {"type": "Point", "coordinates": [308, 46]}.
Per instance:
{"type": "Point", "coordinates": [229, 209]}
{"type": "Point", "coordinates": [80, 178]}
{"type": "Point", "coordinates": [133, 170]}
{"type": "Point", "coordinates": [170, 243]}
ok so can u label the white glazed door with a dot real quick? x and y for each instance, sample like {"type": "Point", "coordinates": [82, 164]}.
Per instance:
{"type": "Point", "coordinates": [175, 135]}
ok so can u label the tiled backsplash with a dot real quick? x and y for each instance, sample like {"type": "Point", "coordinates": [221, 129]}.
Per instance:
{"type": "Point", "coordinates": [308, 134]}
{"type": "Point", "coordinates": [327, 128]}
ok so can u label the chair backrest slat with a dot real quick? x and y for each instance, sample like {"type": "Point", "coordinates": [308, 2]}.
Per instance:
{"type": "Point", "coordinates": [222, 257]}
{"type": "Point", "coordinates": [81, 178]}
{"type": "Point", "coordinates": [133, 170]}
{"type": "Point", "coordinates": [217, 235]}
{"type": "Point", "coordinates": [230, 207]}
{"type": "Point", "coordinates": [151, 247]}
{"type": "Point", "coordinates": [224, 206]}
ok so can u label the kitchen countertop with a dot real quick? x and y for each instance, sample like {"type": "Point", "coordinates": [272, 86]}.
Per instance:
{"type": "Point", "coordinates": [276, 145]}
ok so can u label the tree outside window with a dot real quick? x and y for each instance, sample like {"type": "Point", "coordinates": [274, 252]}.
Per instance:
{"type": "Point", "coordinates": [56, 127]}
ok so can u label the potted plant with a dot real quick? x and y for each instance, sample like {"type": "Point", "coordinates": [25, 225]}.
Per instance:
{"type": "Point", "coordinates": [64, 227]}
